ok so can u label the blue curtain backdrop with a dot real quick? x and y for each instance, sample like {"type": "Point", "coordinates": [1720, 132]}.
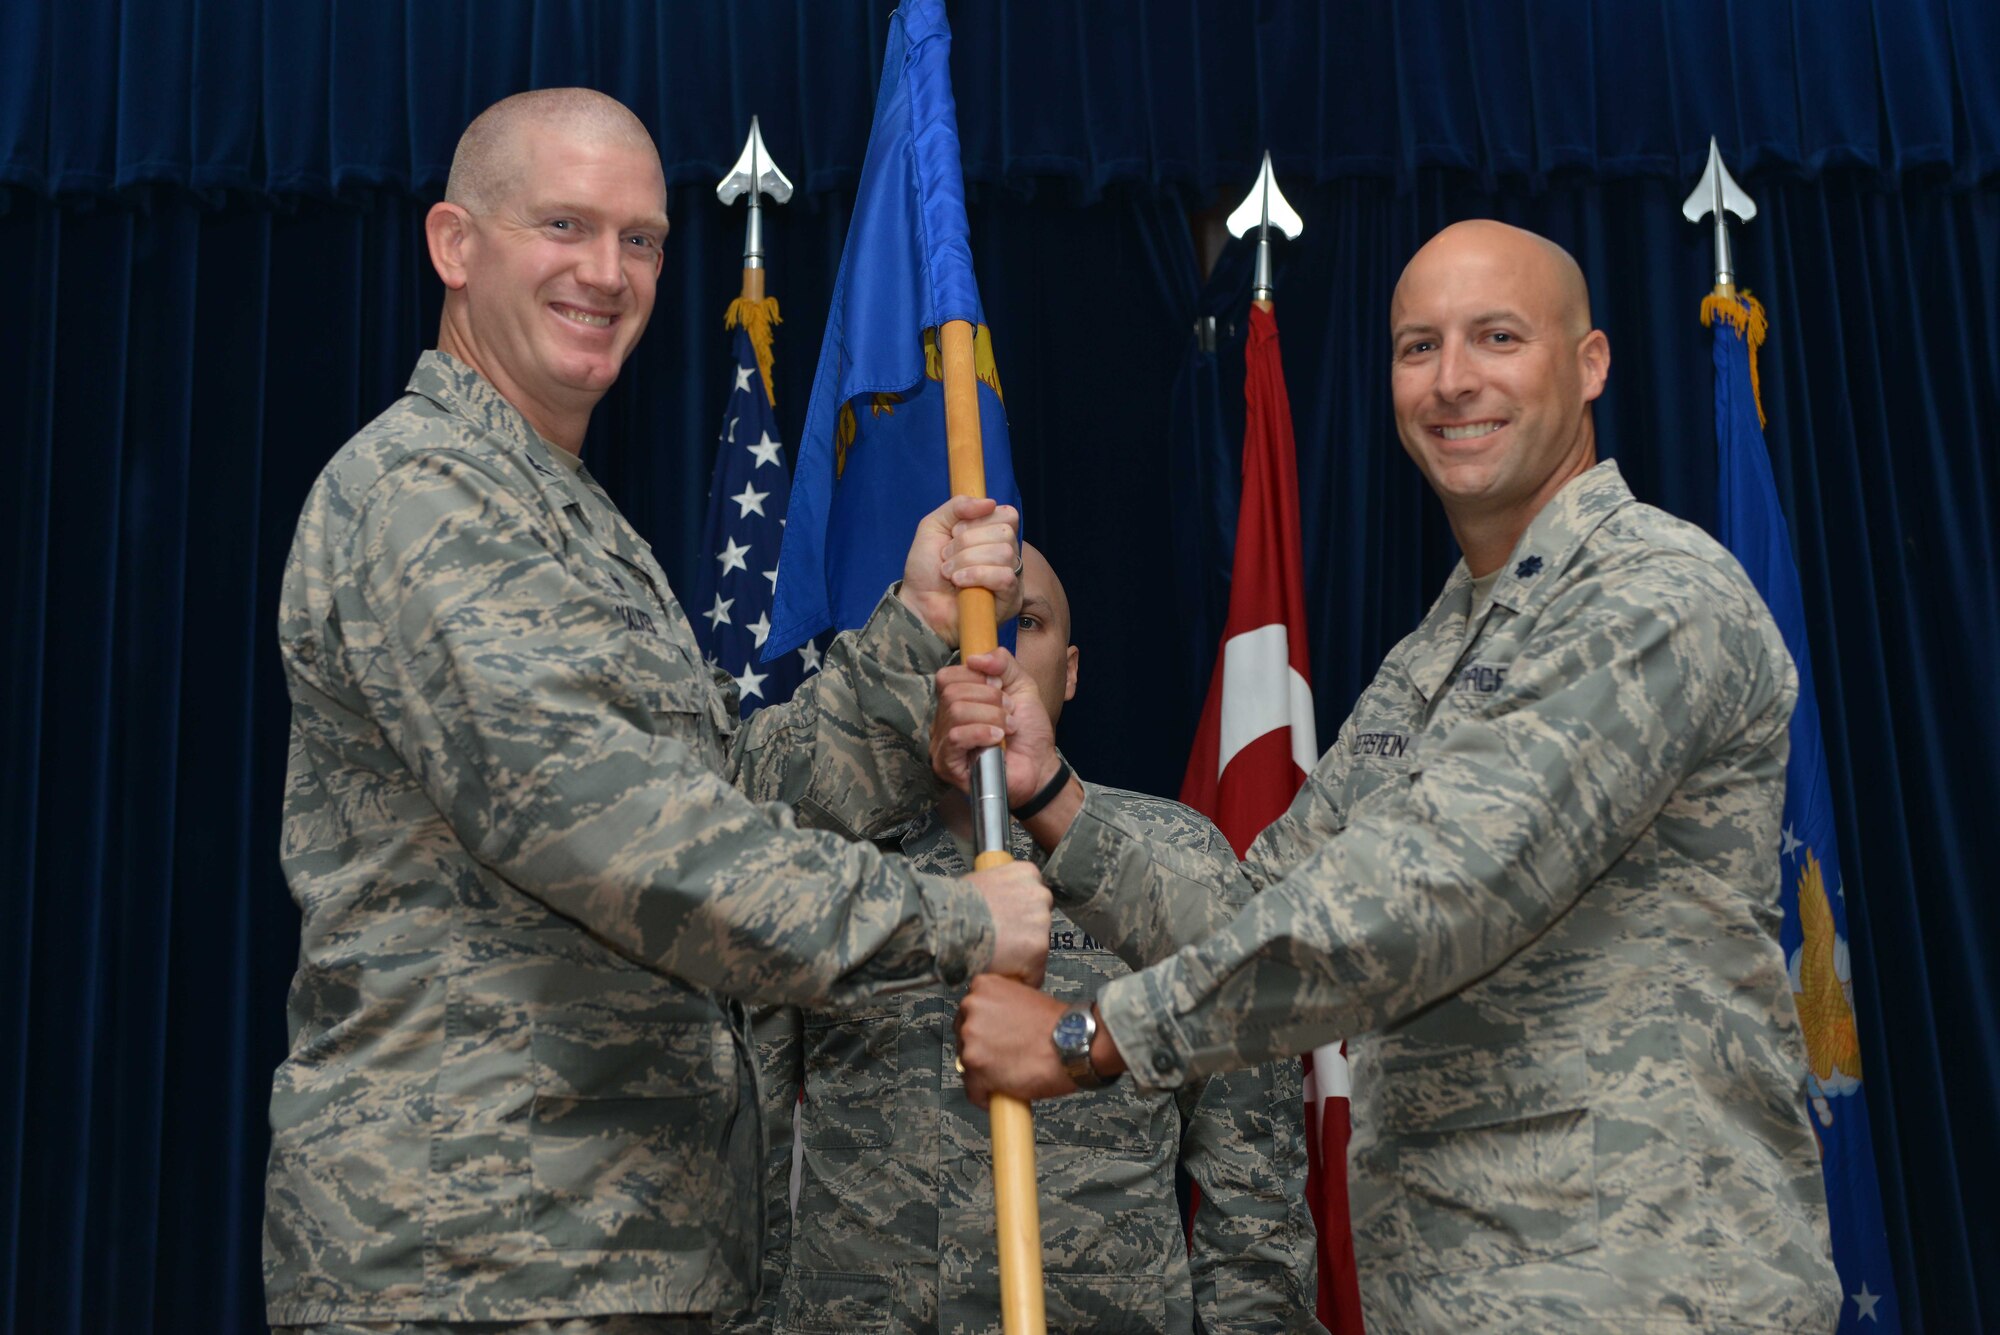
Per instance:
{"type": "Point", "coordinates": [215, 273]}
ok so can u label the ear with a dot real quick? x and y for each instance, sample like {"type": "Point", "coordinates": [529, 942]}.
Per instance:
{"type": "Point", "coordinates": [1593, 359]}
{"type": "Point", "coordinates": [1069, 673]}
{"type": "Point", "coordinates": [448, 231]}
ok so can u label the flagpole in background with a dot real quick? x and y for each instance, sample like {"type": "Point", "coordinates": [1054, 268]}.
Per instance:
{"type": "Point", "coordinates": [747, 505]}
{"type": "Point", "coordinates": [1258, 737]}
{"type": "Point", "coordinates": [1811, 893]}
{"type": "Point", "coordinates": [754, 175]}
{"type": "Point", "coordinates": [1016, 1203]}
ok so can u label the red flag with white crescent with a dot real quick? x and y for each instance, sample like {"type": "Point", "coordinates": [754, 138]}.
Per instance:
{"type": "Point", "coordinates": [1257, 742]}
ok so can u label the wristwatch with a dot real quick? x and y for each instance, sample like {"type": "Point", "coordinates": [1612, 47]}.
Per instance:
{"type": "Point", "coordinates": [1072, 1037]}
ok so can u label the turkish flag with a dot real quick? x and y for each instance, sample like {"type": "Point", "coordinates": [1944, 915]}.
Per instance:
{"type": "Point", "coordinates": [1257, 743]}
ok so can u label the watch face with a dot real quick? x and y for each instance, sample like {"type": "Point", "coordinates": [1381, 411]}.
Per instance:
{"type": "Point", "coordinates": [1072, 1031]}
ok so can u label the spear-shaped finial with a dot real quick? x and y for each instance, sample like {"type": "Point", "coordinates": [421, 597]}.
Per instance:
{"type": "Point", "coordinates": [1263, 208]}
{"type": "Point", "coordinates": [1718, 193]}
{"type": "Point", "coordinates": [754, 174]}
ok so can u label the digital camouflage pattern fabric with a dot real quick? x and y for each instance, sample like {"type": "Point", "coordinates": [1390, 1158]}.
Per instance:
{"type": "Point", "coordinates": [581, 1325]}
{"type": "Point", "coordinates": [533, 850]}
{"type": "Point", "coordinates": [1533, 883]}
{"type": "Point", "coordinates": [894, 1228]}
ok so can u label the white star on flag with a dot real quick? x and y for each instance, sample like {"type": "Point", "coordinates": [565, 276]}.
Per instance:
{"type": "Point", "coordinates": [732, 555]}
{"type": "Point", "coordinates": [743, 531]}
{"type": "Point", "coordinates": [809, 652]}
{"type": "Point", "coordinates": [751, 500]}
{"type": "Point", "coordinates": [1791, 843]}
{"type": "Point", "coordinates": [1864, 1303]}
{"type": "Point", "coordinates": [751, 682]}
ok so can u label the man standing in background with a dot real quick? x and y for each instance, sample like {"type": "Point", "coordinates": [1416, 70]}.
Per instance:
{"type": "Point", "coordinates": [895, 1204]}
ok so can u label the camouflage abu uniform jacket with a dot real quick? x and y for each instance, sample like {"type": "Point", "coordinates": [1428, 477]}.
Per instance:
{"type": "Point", "coordinates": [894, 1227]}
{"type": "Point", "coordinates": [524, 832]}
{"type": "Point", "coordinates": [1535, 882]}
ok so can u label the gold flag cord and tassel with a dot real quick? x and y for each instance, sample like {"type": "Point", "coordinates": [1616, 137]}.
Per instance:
{"type": "Point", "coordinates": [1745, 314]}
{"type": "Point", "coordinates": [755, 315]}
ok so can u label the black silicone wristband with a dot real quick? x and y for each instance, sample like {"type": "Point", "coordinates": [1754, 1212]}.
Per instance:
{"type": "Point", "coordinates": [1033, 806]}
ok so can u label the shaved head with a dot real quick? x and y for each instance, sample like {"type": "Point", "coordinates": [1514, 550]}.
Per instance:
{"type": "Point", "coordinates": [1493, 368]}
{"type": "Point", "coordinates": [1547, 268]}
{"type": "Point", "coordinates": [492, 155]}
{"type": "Point", "coordinates": [1043, 646]}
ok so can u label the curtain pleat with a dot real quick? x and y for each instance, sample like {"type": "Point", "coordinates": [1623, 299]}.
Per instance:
{"type": "Point", "coordinates": [312, 98]}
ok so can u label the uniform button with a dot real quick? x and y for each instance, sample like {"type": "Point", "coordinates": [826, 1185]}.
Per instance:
{"type": "Point", "coordinates": [1163, 1062]}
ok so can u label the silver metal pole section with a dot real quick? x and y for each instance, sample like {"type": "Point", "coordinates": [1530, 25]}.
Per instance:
{"type": "Point", "coordinates": [989, 800]}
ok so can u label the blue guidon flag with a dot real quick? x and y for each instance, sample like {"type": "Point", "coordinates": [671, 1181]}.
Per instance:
{"type": "Point", "coordinates": [1814, 935]}
{"type": "Point", "coordinates": [747, 500]}
{"type": "Point", "coordinates": [872, 459]}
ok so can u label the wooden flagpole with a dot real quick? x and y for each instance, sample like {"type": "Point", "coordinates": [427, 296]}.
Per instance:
{"type": "Point", "coordinates": [1017, 1207]}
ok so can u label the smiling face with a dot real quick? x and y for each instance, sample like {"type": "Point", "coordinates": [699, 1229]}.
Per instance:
{"type": "Point", "coordinates": [1494, 368]}
{"type": "Point", "coordinates": [553, 279]}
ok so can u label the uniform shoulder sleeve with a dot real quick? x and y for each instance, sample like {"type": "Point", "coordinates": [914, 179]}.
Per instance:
{"type": "Point", "coordinates": [558, 741]}
{"type": "Point", "coordinates": [1635, 673]}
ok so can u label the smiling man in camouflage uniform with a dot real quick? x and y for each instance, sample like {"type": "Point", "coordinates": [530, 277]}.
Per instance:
{"type": "Point", "coordinates": [894, 1226]}
{"type": "Point", "coordinates": [533, 851]}
{"type": "Point", "coordinates": [1534, 881]}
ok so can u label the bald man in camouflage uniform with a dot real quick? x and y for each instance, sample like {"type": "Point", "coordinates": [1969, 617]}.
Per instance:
{"type": "Point", "coordinates": [1534, 881]}
{"type": "Point", "coordinates": [534, 852]}
{"type": "Point", "coordinates": [894, 1226]}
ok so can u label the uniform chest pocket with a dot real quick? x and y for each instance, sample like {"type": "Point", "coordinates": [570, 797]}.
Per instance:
{"type": "Point", "coordinates": [665, 685]}
{"type": "Point", "coordinates": [1483, 1159]}
{"type": "Point", "coordinates": [628, 1132]}
{"type": "Point", "coordinates": [853, 1069]}
{"type": "Point", "coordinates": [1380, 749]}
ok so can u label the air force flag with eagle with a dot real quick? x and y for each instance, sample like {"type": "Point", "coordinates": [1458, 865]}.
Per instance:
{"type": "Point", "coordinates": [1814, 934]}
{"type": "Point", "coordinates": [872, 457]}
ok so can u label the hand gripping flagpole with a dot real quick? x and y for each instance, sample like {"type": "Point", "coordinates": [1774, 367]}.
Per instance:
{"type": "Point", "coordinates": [1264, 208]}
{"type": "Point", "coordinates": [1017, 1208]}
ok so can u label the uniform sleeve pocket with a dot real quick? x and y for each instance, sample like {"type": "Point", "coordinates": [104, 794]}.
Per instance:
{"type": "Point", "coordinates": [1493, 1170]}
{"type": "Point", "coordinates": [832, 1300]}
{"type": "Point", "coordinates": [853, 1070]}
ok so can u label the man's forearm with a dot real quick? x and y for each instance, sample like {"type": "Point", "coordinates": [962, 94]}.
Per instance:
{"type": "Point", "coordinates": [850, 750]}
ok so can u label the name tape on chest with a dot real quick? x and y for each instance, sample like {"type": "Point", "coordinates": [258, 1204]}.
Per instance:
{"type": "Point", "coordinates": [1072, 939]}
{"type": "Point", "coordinates": [1387, 745]}
{"type": "Point", "coordinates": [637, 618]}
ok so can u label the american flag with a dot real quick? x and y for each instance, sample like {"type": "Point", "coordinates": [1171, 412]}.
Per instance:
{"type": "Point", "coordinates": [747, 500]}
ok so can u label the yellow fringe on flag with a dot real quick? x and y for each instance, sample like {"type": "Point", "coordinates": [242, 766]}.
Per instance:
{"type": "Point", "coordinates": [844, 425]}
{"type": "Point", "coordinates": [982, 360]}
{"type": "Point", "coordinates": [1746, 315]}
{"type": "Point", "coordinates": [757, 317]}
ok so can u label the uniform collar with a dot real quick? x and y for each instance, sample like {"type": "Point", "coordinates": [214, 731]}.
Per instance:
{"type": "Point", "coordinates": [1529, 578]}
{"type": "Point", "coordinates": [1555, 535]}
{"type": "Point", "coordinates": [463, 392]}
